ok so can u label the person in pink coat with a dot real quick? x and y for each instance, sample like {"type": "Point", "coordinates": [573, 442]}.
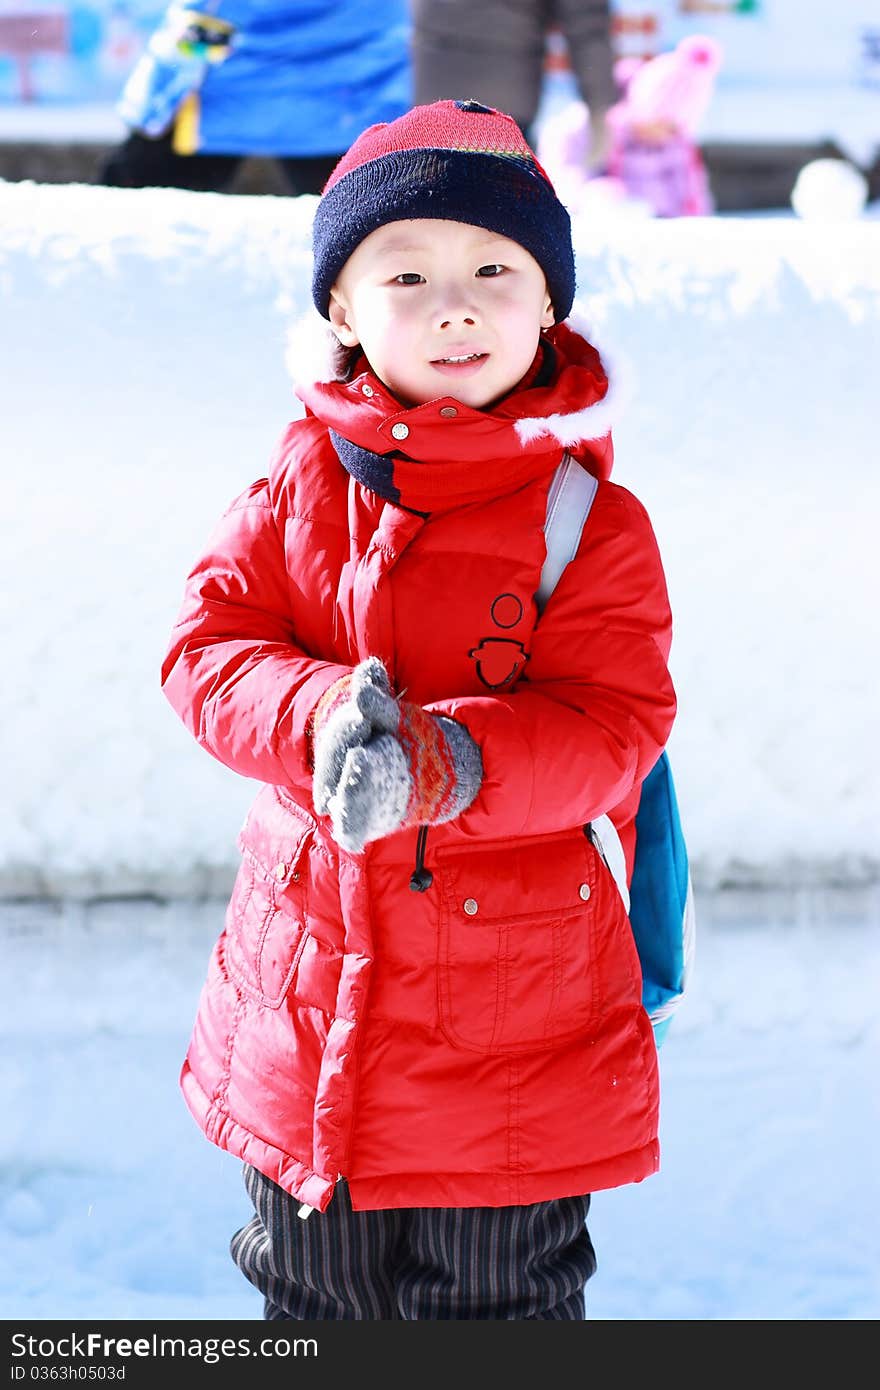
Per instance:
{"type": "Point", "coordinates": [653, 151]}
{"type": "Point", "coordinates": [654, 162]}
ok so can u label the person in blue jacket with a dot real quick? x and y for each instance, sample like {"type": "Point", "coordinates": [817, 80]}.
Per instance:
{"type": "Point", "coordinates": [234, 79]}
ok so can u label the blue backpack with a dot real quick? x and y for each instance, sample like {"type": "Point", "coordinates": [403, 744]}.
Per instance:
{"type": "Point", "coordinates": [659, 900]}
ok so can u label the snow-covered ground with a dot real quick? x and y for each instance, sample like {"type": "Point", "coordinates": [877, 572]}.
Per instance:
{"type": "Point", "coordinates": [142, 336]}
{"type": "Point", "coordinates": [767, 1205]}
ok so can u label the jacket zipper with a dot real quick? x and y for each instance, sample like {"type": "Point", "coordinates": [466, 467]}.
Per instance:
{"type": "Point", "coordinates": [420, 881]}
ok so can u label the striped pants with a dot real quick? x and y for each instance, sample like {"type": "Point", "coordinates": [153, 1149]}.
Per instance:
{"type": "Point", "coordinates": [410, 1263]}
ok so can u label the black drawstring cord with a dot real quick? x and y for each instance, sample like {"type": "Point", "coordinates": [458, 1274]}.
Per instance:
{"type": "Point", "coordinates": [421, 878]}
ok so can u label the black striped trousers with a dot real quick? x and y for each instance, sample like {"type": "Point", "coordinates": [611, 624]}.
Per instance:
{"type": "Point", "coordinates": [410, 1263]}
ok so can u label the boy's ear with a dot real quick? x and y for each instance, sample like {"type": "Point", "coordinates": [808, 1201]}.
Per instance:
{"type": "Point", "coordinates": [339, 318]}
{"type": "Point", "coordinates": [548, 317]}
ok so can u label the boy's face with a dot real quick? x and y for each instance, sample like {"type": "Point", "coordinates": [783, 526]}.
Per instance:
{"type": "Point", "coordinates": [442, 309]}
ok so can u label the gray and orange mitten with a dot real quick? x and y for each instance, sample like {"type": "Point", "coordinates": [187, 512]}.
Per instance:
{"type": "Point", "coordinates": [381, 763]}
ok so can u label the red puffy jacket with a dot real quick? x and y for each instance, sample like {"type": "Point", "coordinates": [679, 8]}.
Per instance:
{"type": "Point", "coordinates": [481, 1042]}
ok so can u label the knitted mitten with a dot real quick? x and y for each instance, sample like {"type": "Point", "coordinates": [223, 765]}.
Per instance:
{"type": "Point", "coordinates": [349, 713]}
{"type": "Point", "coordinates": [428, 772]}
{"type": "Point", "coordinates": [381, 764]}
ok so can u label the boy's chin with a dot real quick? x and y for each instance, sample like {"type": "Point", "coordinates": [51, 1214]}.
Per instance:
{"type": "Point", "coordinates": [471, 393]}
{"type": "Point", "coordinates": [475, 397]}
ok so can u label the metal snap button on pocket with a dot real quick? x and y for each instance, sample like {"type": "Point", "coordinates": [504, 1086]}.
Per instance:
{"type": "Point", "coordinates": [470, 906]}
{"type": "Point", "coordinates": [584, 891]}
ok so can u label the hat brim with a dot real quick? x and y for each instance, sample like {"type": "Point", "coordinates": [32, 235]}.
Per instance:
{"type": "Point", "coordinates": [502, 193]}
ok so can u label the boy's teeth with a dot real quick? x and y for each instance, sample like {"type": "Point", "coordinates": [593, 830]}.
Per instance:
{"type": "Point", "coordinates": [467, 357]}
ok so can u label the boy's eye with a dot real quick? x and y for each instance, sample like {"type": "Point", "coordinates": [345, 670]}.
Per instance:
{"type": "Point", "coordinates": [490, 270]}
{"type": "Point", "coordinates": [409, 277]}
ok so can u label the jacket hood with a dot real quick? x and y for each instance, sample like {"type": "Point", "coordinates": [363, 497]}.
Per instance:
{"type": "Point", "coordinates": [524, 434]}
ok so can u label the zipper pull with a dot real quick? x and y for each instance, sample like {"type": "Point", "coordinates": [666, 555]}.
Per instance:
{"type": "Point", "coordinates": [421, 878]}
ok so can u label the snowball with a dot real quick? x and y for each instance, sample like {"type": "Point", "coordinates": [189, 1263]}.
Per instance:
{"type": "Point", "coordinates": [829, 189]}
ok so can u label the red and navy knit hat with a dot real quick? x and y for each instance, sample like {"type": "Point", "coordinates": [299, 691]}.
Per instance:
{"type": "Point", "coordinates": [456, 160]}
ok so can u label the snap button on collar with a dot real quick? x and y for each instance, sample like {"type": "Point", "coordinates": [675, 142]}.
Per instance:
{"type": "Point", "coordinates": [400, 430]}
{"type": "Point", "coordinates": [448, 410]}
{"type": "Point", "coordinates": [367, 389]}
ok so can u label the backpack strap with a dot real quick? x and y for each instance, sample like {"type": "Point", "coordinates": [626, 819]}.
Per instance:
{"type": "Point", "coordinates": [659, 901]}
{"type": "Point", "coordinates": [568, 505]}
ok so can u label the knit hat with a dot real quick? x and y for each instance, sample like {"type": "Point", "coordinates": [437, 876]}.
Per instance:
{"type": "Point", "coordinates": [455, 160]}
{"type": "Point", "coordinates": [675, 86]}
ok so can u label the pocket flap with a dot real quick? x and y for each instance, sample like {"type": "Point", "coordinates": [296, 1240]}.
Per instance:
{"type": "Point", "coordinates": [515, 881]}
{"type": "Point", "coordinates": [275, 834]}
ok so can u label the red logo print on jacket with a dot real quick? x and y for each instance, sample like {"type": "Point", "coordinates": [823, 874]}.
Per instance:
{"type": "Point", "coordinates": [501, 660]}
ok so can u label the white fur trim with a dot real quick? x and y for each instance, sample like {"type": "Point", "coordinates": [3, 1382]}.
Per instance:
{"type": "Point", "coordinates": [313, 352]}
{"type": "Point", "coordinates": [594, 421]}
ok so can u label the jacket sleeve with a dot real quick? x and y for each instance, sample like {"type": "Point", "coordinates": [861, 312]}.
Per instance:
{"type": "Point", "coordinates": [179, 53]}
{"type": "Point", "coordinates": [594, 711]}
{"type": "Point", "coordinates": [233, 670]}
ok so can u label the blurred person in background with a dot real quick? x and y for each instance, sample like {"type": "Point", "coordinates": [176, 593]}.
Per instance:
{"type": "Point", "coordinates": [654, 152]}
{"type": "Point", "coordinates": [495, 50]}
{"type": "Point", "coordinates": [255, 78]}
{"type": "Point", "coordinates": [654, 165]}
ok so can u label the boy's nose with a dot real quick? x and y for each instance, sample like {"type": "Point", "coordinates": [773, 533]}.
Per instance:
{"type": "Point", "coordinates": [455, 308]}
{"type": "Point", "coordinates": [454, 318]}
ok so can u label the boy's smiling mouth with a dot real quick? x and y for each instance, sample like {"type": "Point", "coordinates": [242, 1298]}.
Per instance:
{"type": "Point", "coordinates": [460, 363]}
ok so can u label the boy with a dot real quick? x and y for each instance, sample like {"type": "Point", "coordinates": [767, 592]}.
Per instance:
{"type": "Point", "coordinates": [421, 1028]}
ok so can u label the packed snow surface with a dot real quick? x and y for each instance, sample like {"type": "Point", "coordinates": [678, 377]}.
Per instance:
{"type": "Point", "coordinates": [766, 1206]}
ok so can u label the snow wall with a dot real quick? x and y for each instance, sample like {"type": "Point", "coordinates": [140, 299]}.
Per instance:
{"type": "Point", "coordinates": [143, 385]}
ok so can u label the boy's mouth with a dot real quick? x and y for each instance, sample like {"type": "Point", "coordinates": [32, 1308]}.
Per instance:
{"type": "Point", "coordinates": [460, 364]}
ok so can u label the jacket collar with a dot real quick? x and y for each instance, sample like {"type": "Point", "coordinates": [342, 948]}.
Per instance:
{"type": "Point", "coordinates": [445, 454]}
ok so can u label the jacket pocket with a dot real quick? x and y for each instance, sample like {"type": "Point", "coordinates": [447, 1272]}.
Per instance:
{"type": "Point", "coordinates": [265, 921]}
{"type": "Point", "coordinates": [516, 965]}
